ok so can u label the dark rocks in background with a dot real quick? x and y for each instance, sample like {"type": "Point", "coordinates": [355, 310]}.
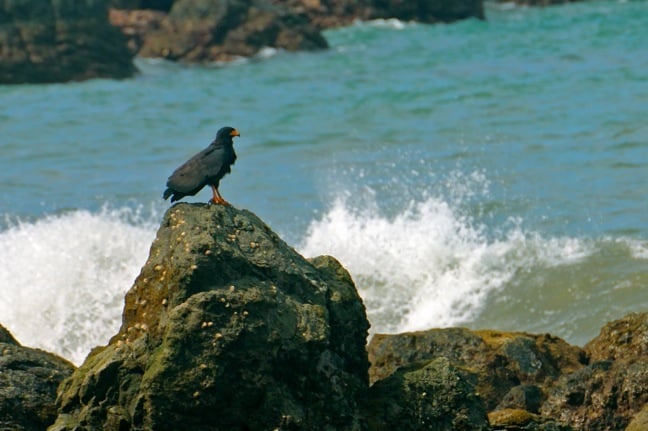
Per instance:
{"type": "Point", "coordinates": [28, 382]}
{"type": "Point", "coordinates": [538, 2]}
{"type": "Point", "coordinates": [58, 41]}
{"type": "Point", "coordinates": [136, 25]}
{"type": "Point", "coordinates": [67, 40]}
{"type": "Point", "coordinates": [428, 11]}
{"type": "Point", "coordinates": [226, 327]}
{"type": "Point", "coordinates": [336, 13]}
{"type": "Point", "coordinates": [207, 31]}
{"type": "Point", "coordinates": [160, 5]}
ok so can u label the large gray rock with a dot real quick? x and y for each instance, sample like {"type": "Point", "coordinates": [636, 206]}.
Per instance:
{"type": "Point", "coordinates": [28, 382]}
{"type": "Point", "coordinates": [60, 40]}
{"type": "Point", "coordinates": [226, 328]}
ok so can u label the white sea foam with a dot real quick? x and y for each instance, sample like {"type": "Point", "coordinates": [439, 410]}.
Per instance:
{"type": "Point", "coordinates": [391, 23]}
{"type": "Point", "coordinates": [63, 278]}
{"type": "Point", "coordinates": [429, 266]}
{"type": "Point", "coordinates": [638, 249]}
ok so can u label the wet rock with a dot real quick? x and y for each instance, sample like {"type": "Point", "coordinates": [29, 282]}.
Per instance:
{"type": "Point", "coordinates": [431, 395]}
{"type": "Point", "coordinates": [58, 41]}
{"type": "Point", "coordinates": [336, 13]}
{"type": "Point", "coordinates": [624, 340]}
{"type": "Point", "coordinates": [208, 31]}
{"type": "Point", "coordinates": [522, 397]}
{"type": "Point", "coordinates": [518, 420]}
{"type": "Point", "coordinates": [613, 389]}
{"type": "Point", "coordinates": [511, 418]}
{"type": "Point", "coordinates": [28, 382]}
{"type": "Point", "coordinates": [6, 337]}
{"type": "Point", "coordinates": [500, 360]}
{"type": "Point", "coordinates": [226, 327]}
{"type": "Point", "coordinates": [640, 421]}
{"type": "Point", "coordinates": [163, 5]}
{"type": "Point", "coordinates": [538, 2]}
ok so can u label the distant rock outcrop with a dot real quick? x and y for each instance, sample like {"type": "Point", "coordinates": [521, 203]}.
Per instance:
{"type": "Point", "coordinates": [208, 31]}
{"type": "Point", "coordinates": [538, 2]}
{"type": "Point", "coordinates": [60, 40]}
{"type": "Point", "coordinates": [226, 328]}
{"type": "Point", "coordinates": [28, 382]}
{"type": "Point", "coordinates": [336, 13]}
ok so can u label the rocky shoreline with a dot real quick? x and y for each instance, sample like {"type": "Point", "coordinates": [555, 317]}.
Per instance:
{"type": "Point", "coordinates": [45, 41]}
{"type": "Point", "coordinates": [228, 328]}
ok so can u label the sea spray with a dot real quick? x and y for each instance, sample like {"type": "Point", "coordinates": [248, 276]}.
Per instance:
{"type": "Point", "coordinates": [433, 266]}
{"type": "Point", "coordinates": [427, 266]}
{"type": "Point", "coordinates": [63, 277]}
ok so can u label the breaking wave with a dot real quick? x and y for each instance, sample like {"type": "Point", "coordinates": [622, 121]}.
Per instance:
{"type": "Point", "coordinates": [432, 266]}
{"type": "Point", "coordinates": [63, 277]}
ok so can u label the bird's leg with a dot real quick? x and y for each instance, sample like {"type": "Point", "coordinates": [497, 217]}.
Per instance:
{"type": "Point", "coordinates": [217, 198]}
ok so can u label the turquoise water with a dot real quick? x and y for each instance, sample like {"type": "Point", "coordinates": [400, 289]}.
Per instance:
{"type": "Point", "coordinates": [484, 174]}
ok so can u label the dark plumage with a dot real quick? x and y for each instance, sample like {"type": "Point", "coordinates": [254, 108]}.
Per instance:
{"type": "Point", "coordinates": [205, 168]}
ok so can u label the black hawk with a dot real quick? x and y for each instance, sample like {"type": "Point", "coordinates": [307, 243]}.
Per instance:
{"type": "Point", "coordinates": [205, 168]}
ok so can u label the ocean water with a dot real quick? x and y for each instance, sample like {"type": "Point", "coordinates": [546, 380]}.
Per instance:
{"type": "Point", "coordinates": [482, 174]}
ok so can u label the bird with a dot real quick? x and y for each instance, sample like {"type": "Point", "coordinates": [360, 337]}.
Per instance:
{"type": "Point", "coordinates": [207, 167]}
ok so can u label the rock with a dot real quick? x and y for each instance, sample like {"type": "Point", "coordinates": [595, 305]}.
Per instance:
{"type": "Point", "coordinates": [136, 25]}
{"type": "Point", "coordinates": [225, 328]}
{"type": "Point", "coordinates": [6, 337]}
{"type": "Point", "coordinates": [28, 382]}
{"type": "Point", "coordinates": [624, 340]}
{"type": "Point", "coordinates": [58, 41]}
{"type": "Point", "coordinates": [522, 397]}
{"type": "Point", "coordinates": [600, 396]}
{"type": "Point", "coordinates": [428, 11]}
{"type": "Point", "coordinates": [163, 5]}
{"type": "Point", "coordinates": [500, 360]}
{"type": "Point", "coordinates": [433, 395]}
{"type": "Point", "coordinates": [336, 13]}
{"type": "Point", "coordinates": [613, 389]}
{"type": "Point", "coordinates": [640, 421]}
{"type": "Point", "coordinates": [508, 418]}
{"type": "Point", "coordinates": [518, 419]}
{"type": "Point", "coordinates": [208, 31]}
{"type": "Point", "coordinates": [539, 377]}
{"type": "Point", "coordinates": [538, 2]}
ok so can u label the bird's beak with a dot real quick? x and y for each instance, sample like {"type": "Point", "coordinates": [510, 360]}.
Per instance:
{"type": "Point", "coordinates": [235, 133]}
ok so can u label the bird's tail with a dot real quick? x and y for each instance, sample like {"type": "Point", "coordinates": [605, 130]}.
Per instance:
{"type": "Point", "coordinates": [167, 193]}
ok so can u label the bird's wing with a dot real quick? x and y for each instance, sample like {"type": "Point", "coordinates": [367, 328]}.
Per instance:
{"type": "Point", "coordinates": [194, 172]}
{"type": "Point", "coordinates": [212, 160]}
